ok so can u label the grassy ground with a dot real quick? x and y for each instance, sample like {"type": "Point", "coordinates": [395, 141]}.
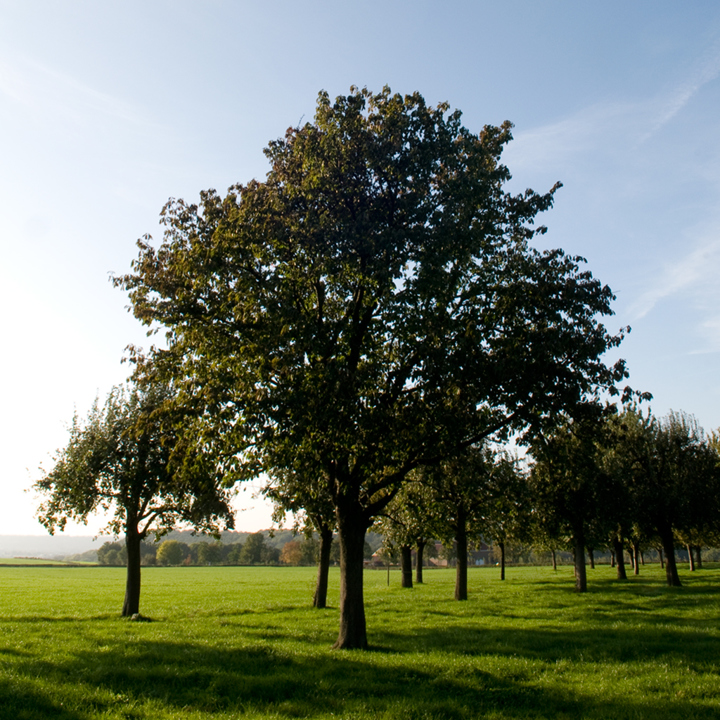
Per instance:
{"type": "Point", "coordinates": [244, 643]}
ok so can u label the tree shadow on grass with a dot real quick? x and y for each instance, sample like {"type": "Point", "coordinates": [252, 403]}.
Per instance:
{"type": "Point", "coordinates": [197, 677]}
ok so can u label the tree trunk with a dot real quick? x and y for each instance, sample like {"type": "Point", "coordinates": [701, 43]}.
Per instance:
{"type": "Point", "coordinates": [636, 557]}
{"type": "Point", "coordinates": [671, 573]}
{"type": "Point", "coordinates": [591, 555]}
{"type": "Point", "coordinates": [351, 529]}
{"type": "Point", "coordinates": [461, 566]}
{"type": "Point", "coordinates": [691, 557]}
{"type": "Point", "coordinates": [698, 557]}
{"type": "Point", "coordinates": [620, 555]}
{"type": "Point", "coordinates": [579, 560]}
{"type": "Point", "coordinates": [132, 584]}
{"type": "Point", "coordinates": [662, 557]}
{"type": "Point", "coordinates": [554, 559]}
{"type": "Point", "coordinates": [406, 566]}
{"type": "Point", "coordinates": [419, 561]}
{"type": "Point", "coordinates": [502, 560]}
{"type": "Point", "coordinates": [612, 558]}
{"type": "Point", "coordinates": [321, 586]}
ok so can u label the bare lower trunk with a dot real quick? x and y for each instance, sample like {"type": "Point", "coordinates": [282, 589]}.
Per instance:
{"type": "Point", "coordinates": [580, 569]}
{"type": "Point", "coordinates": [636, 557]}
{"type": "Point", "coordinates": [321, 586]}
{"type": "Point", "coordinates": [419, 561]}
{"type": "Point", "coordinates": [671, 573]}
{"type": "Point", "coordinates": [612, 558]}
{"type": "Point", "coordinates": [353, 632]}
{"type": "Point", "coordinates": [502, 560]}
{"type": "Point", "coordinates": [461, 567]}
{"type": "Point", "coordinates": [591, 555]}
{"type": "Point", "coordinates": [698, 557]}
{"type": "Point", "coordinates": [691, 557]}
{"type": "Point", "coordinates": [406, 566]}
{"type": "Point", "coordinates": [662, 557]}
{"type": "Point", "coordinates": [554, 559]}
{"type": "Point", "coordinates": [131, 606]}
{"type": "Point", "coordinates": [620, 555]}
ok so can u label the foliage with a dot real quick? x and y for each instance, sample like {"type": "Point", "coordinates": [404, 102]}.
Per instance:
{"type": "Point", "coordinates": [129, 460]}
{"type": "Point", "coordinates": [373, 306]}
{"type": "Point", "coordinates": [118, 461]}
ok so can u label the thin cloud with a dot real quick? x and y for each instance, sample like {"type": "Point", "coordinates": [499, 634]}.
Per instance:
{"type": "Point", "coordinates": [697, 272]}
{"type": "Point", "coordinates": [617, 127]}
{"type": "Point", "coordinates": [706, 70]}
{"type": "Point", "coordinates": [47, 92]}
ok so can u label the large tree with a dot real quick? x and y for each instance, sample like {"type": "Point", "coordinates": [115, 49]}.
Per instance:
{"type": "Point", "coordinates": [374, 305]}
{"type": "Point", "coordinates": [127, 459]}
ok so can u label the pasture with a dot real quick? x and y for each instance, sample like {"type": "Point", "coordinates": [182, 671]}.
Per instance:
{"type": "Point", "coordinates": [238, 642]}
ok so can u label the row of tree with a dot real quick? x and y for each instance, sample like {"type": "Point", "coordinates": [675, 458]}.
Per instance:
{"type": "Point", "coordinates": [602, 481]}
{"type": "Point", "coordinates": [367, 315]}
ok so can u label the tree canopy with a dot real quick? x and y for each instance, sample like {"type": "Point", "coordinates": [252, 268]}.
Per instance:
{"type": "Point", "coordinates": [119, 461]}
{"type": "Point", "coordinates": [371, 307]}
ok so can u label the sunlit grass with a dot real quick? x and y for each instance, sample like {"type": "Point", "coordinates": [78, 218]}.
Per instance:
{"type": "Point", "coordinates": [244, 642]}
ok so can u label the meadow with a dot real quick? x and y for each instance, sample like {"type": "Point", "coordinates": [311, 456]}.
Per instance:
{"type": "Point", "coordinates": [239, 642]}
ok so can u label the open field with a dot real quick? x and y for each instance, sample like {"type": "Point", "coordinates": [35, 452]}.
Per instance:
{"type": "Point", "coordinates": [243, 643]}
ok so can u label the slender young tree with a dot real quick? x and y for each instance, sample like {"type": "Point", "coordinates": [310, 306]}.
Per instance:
{"type": "Point", "coordinates": [126, 459]}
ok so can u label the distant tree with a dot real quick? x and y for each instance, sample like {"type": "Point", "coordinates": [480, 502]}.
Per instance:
{"type": "Point", "coordinates": [673, 475]}
{"type": "Point", "coordinates": [458, 498]}
{"type": "Point", "coordinates": [171, 552]}
{"type": "Point", "coordinates": [406, 524]}
{"type": "Point", "coordinates": [209, 553]}
{"type": "Point", "coordinates": [569, 485]}
{"type": "Point", "coordinates": [234, 556]}
{"type": "Point", "coordinates": [506, 510]}
{"type": "Point", "coordinates": [127, 459]}
{"type": "Point", "coordinates": [254, 550]}
{"type": "Point", "coordinates": [291, 553]}
{"type": "Point", "coordinates": [112, 553]}
{"type": "Point", "coordinates": [305, 492]}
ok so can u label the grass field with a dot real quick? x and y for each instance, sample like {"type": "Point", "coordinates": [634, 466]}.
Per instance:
{"type": "Point", "coordinates": [244, 643]}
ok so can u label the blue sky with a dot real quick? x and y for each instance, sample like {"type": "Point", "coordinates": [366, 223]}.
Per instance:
{"type": "Point", "coordinates": [107, 109]}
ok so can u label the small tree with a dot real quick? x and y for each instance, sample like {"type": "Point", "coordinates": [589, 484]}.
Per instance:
{"type": "Point", "coordinates": [126, 459]}
{"type": "Point", "coordinates": [171, 552]}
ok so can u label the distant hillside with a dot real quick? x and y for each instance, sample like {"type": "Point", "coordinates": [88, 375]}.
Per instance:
{"type": "Point", "coordinates": [50, 547]}
{"type": "Point", "coordinates": [62, 547]}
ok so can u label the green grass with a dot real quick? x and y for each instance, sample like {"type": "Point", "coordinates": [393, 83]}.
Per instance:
{"type": "Point", "coordinates": [244, 643]}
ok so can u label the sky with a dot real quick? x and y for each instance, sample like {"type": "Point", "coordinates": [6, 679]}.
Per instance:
{"type": "Point", "coordinates": [109, 109]}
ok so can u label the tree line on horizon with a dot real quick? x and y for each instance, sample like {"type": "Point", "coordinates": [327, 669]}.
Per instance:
{"type": "Point", "coordinates": [372, 320]}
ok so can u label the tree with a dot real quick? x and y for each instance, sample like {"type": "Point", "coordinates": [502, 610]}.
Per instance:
{"type": "Point", "coordinates": [171, 552]}
{"type": "Point", "coordinates": [406, 523]}
{"type": "Point", "coordinates": [506, 509]}
{"type": "Point", "coordinates": [458, 499]}
{"type": "Point", "coordinates": [570, 489]}
{"type": "Point", "coordinates": [306, 494]}
{"type": "Point", "coordinates": [120, 461]}
{"type": "Point", "coordinates": [672, 470]}
{"type": "Point", "coordinates": [373, 306]}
